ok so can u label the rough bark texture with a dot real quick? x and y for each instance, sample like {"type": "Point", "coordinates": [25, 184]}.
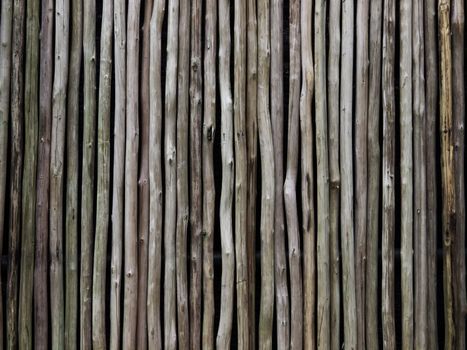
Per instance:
{"type": "Point", "coordinates": [267, 181]}
{"type": "Point", "coordinates": [16, 165]}
{"type": "Point", "coordinates": [388, 215]}
{"type": "Point", "coordinates": [333, 84]}
{"type": "Point", "coordinates": [118, 173]}
{"type": "Point", "coordinates": [130, 294]}
{"type": "Point", "coordinates": [241, 174]}
{"type": "Point", "coordinates": [290, 185]}
{"type": "Point", "coordinates": [103, 181]}
{"type": "Point", "coordinates": [143, 187]}
{"type": "Point", "coordinates": [72, 157]}
{"type": "Point", "coordinates": [224, 332]}
{"type": "Point", "coordinates": [57, 159]}
{"type": "Point", "coordinates": [170, 162]}
{"type": "Point", "coordinates": [374, 178]}
{"type": "Point", "coordinates": [307, 183]}
{"type": "Point", "coordinates": [458, 109]}
{"type": "Point", "coordinates": [183, 208]}
{"type": "Point", "coordinates": [447, 169]}
{"type": "Point", "coordinates": [155, 178]}
{"type": "Point", "coordinates": [31, 104]}
{"type": "Point", "coordinates": [209, 191]}
{"type": "Point", "coordinates": [41, 300]}
{"type": "Point", "coordinates": [431, 84]}
{"type": "Point", "coordinates": [87, 176]}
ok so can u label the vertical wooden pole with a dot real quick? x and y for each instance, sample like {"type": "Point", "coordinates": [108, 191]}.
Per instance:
{"type": "Point", "coordinates": [17, 128]}
{"type": "Point", "coordinates": [155, 178]}
{"type": "Point", "coordinates": [118, 173]}
{"type": "Point", "coordinates": [307, 183]}
{"type": "Point", "coordinates": [224, 332]}
{"type": "Point", "coordinates": [290, 185]}
{"type": "Point", "coordinates": [31, 94]}
{"type": "Point", "coordinates": [388, 216]}
{"type": "Point", "coordinates": [103, 180]}
{"type": "Point", "coordinates": [447, 168]}
{"type": "Point", "coordinates": [209, 191]}
{"type": "Point", "coordinates": [374, 177]}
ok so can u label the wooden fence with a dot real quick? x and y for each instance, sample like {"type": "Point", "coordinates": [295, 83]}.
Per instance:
{"type": "Point", "coordinates": [232, 173]}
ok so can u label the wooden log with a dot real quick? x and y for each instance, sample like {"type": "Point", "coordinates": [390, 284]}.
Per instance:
{"type": "Point", "coordinates": [155, 178]}
{"type": "Point", "coordinates": [183, 208]}
{"type": "Point", "coordinates": [419, 153]}
{"type": "Point", "coordinates": [72, 148]}
{"type": "Point", "coordinates": [290, 185]}
{"type": "Point", "coordinates": [103, 180]}
{"type": "Point", "coordinates": [5, 66]}
{"type": "Point", "coordinates": [16, 166]}
{"type": "Point", "coordinates": [118, 174]}
{"type": "Point", "coordinates": [346, 169]}
{"type": "Point", "coordinates": [431, 84]}
{"type": "Point", "coordinates": [277, 121]}
{"type": "Point", "coordinates": [57, 159]}
{"type": "Point", "coordinates": [374, 177]}
{"type": "Point", "coordinates": [87, 176]}
{"type": "Point", "coordinates": [447, 169]}
{"type": "Point", "coordinates": [31, 104]}
{"type": "Point", "coordinates": [209, 190]}
{"type": "Point", "coordinates": [406, 172]}
{"type": "Point", "coordinates": [361, 164]}
{"type": "Point", "coordinates": [196, 189]}
{"type": "Point", "coordinates": [267, 181]}
{"type": "Point", "coordinates": [333, 85]}
{"type": "Point", "coordinates": [388, 173]}
{"type": "Point", "coordinates": [458, 109]}
{"type": "Point", "coordinates": [170, 162]}
{"type": "Point", "coordinates": [224, 332]}
{"type": "Point", "coordinates": [143, 187]}
{"type": "Point", "coordinates": [130, 293]}
{"type": "Point", "coordinates": [252, 150]}
{"type": "Point", "coordinates": [307, 183]}
{"type": "Point", "coordinates": [41, 297]}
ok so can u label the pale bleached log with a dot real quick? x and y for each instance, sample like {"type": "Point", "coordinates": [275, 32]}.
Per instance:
{"type": "Point", "coordinates": [277, 121]}
{"type": "Point", "coordinates": [170, 162]}
{"type": "Point", "coordinates": [252, 150]}
{"type": "Point", "coordinates": [183, 208]}
{"type": "Point", "coordinates": [196, 202]}
{"type": "Point", "coordinates": [290, 185]}
{"type": "Point", "coordinates": [419, 152]}
{"type": "Point", "coordinates": [130, 292]}
{"type": "Point", "coordinates": [209, 191]}
{"type": "Point", "coordinates": [224, 332]}
{"type": "Point", "coordinates": [88, 169]}
{"type": "Point", "coordinates": [346, 168]}
{"type": "Point", "coordinates": [103, 181]}
{"type": "Point", "coordinates": [447, 169]}
{"type": "Point", "coordinates": [155, 178]}
{"type": "Point", "coordinates": [307, 183]}
{"type": "Point", "coordinates": [361, 164]}
{"type": "Point", "coordinates": [388, 173]}
{"type": "Point", "coordinates": [374, 169]}
{"type": "Point", "coordinates": [72, 164]}
{"type": "Point", "coordinates": [333, 84]}
{"type": "Point", "coordinates": [31, 104]}
{"type": "Point", "coordinates": [143, 186]}
{"type": "Point", "coordinates": [406, 171]}
{"type": "Point", "coordinates": [16, 165]}
{"type": "Point", "coordinates": [41, 298]}
{"type": "Point", "coordinates": [118, 173]}
{"type": "Point", "coordinates": [458, 110]}
{"type": "Point", "coordinates": [57, 159]}
{"type": "Point", "coordinates": [431, 83]}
